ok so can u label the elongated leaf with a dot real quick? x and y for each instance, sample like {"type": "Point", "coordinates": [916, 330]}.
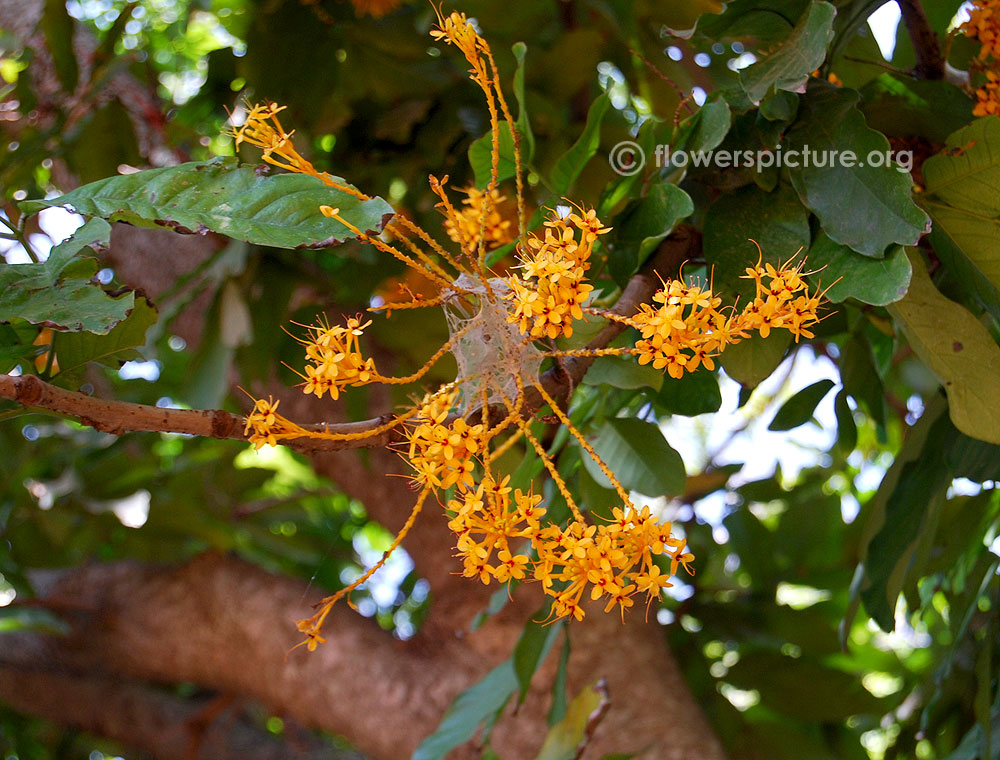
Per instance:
{"type": "Point", "coordinates": [534, 644]}
{"type": "Point", "coordinates": [798, 410]}
{"type": "Point", "coordinates": [790, 65]}
{"type": "Point", "coordinates": [57, 26]}
{"type": "Point", "coordinates": [568, 738]}
{"type": "Point", "coordinates": [640, 457]}
{"type": "Point", "coordinates": [470, 708]}
{"type": "Point", "coordinates": [907, 502]}
{"type": "Point", "coordinates": [559, 697]}
{"type": "Point", "coordinates": [706, 129]}
{"type": "Point", "coordinates": [958, 349]}
{"type": "Point", "coordinates": [481, 157]}
{"type": "Point", "coordinates": [523, 123]}
{"type": "Point", "coordinates": [241, 202]}
{"type": "Point", "coordinates": [571, 163]}
{"type": "Point", "coordinates": [860, 201]}
{"type": "Point", "coordinates": [60, 292]}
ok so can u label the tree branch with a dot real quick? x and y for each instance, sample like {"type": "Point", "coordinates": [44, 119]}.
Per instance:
{"type": "Point", "coordinates": [930, 62]}
{"type": "Point", "coordinates": [226, 625]}
{"type": "Point", "coordinates": [143, 717]}
{"type": "Point", "coordinates": [118, 417]}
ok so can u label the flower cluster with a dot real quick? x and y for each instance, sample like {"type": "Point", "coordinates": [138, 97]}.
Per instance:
{"type": "Point", "coordinates": [453, 438]}
{"type": "Point", "coordinates": [480, 219]}
{"type": "Point", "coordinates": [984, 26]}
{"type": "Point", "coordinates": [335, 360]}
{"type": "Point", "coordinates": [551, 293]}
{"type": "Point", "coordinates": [689, 328]}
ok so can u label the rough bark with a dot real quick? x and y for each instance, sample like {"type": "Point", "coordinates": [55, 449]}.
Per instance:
{"type": "Point", "coordinates": [227, 625]}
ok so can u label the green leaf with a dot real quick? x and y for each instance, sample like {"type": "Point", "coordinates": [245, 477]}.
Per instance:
{"type": "Point", "coordinates": [60, 292]}
{"type": "Point", "coordinates": [798, 410]}
{"type": "Point", "coordinates": [776, 220]}
{"type": "Point", "coordinates": [534, 644]}
{"type": "Point", "coordinates": [523, 123]}
{"type": "Point", "coordinates": [693, 394]}
{"type": "Point", "coordinates": [751, 361]}
{"type": "Point", "coordinates": [705, 129]}
{"type": "Point", "coordinates": [473, 706]}
{"type": "Point", "coordinates": [571, 163]}
{"type": "Point", "coordinates": [619, 372]}
{"type": "Point", "coordinates": [897, 105]}
{"type": "Point", "coordinates": [847, 428]}
{"type": "Point", "coordinates": [904, 503]}
{"type": "Point", "coordinates": [568, 738]}
{"type": "Point", "coordinates": [559, 690]}
{"type": "Point", "coordinates": [481, 157]}
{"type": "Point", "coordinates": [240, 202]}
{"type": "Point", "coordinates": [76, 350]}
{"type": "Point", "coordinates": [639, 456]}
{"type": "Point", "coordinates": [863, 205]}
{"type": "Point", "coordinates": [958, 349]}
{"type": "Point", "coordinates": [802, 52]}
{"type": "Point", "coordinates": [963, 199]}
{"type": "Point", "coordinates": [832, 695]}
{"type": "Point", "coordinates": [643, 224]}
{"type": "Point", "coordinates": [878, 282]}
{"type": "Point", "coordinates": [57, 26]}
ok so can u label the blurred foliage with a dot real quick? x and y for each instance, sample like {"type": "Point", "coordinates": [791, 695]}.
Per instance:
{"type": "Point", "coordinates": [844, 608]}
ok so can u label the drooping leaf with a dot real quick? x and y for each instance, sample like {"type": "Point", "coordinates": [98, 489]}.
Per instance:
{"type": "Point", "coordinates": [75, 350]}
{"type": "Point", "coordinates": [861, 199]}
{"type": "Point", "coordinates": [751, 361]}
{"type": "Point", "coordinates": [958, 349]}
{"type": "Point", "coordinates": [878, 282]}
{"type": "Point", "coordinates": [693, 394]}
{"type": "Point", "coordinates": [567, 739]}
{"type": "Point", "coordinates": [799, 409]}
{"type": "Point", "coordinates": [60, 292]}
{"type": "Point", "coordinates": [640, 457]}
{"type": "Point", "coordinates": [559, 694]}
{"type": "Point", "coordinates": [240, 202]}
{"type": "Point", "coordinates": [801, 53]}
{"type": "Point", "coordinates": [571, 163]}
{"type": "Point", "coordinates": [643, 224]}
{"type": "Point", "coordinates": [532, 647]}
{"type": "Point", "coordinates": [473, 706]}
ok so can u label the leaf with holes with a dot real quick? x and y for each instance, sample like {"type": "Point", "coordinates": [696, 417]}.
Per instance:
{"type": "Point", "coordinates": [240, 202]}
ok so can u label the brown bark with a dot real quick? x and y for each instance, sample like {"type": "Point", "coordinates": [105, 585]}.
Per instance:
{"type": "Point", "coordinates": [35, 679]}
{"type": "Point", "coordinates": [930, 62]}
{"type": "Point", "coordinates": [227, 626]}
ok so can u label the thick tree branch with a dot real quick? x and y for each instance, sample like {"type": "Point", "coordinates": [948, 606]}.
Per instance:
{"type": "Point", "coordinates": [226, 625]}
{"type": "Point", "coordinates": [118, 417]}
{"type": "Point", "coordinates": [141, 716]}
{"type": "Point", "coordinates": [930, 62]}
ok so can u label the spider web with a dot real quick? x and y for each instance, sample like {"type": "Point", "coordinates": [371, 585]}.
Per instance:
{"type": "Point", "coordinates": [491, 353]}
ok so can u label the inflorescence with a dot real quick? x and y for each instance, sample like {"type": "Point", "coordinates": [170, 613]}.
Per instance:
{"type": "Point", "coordinates": [454, 435]}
